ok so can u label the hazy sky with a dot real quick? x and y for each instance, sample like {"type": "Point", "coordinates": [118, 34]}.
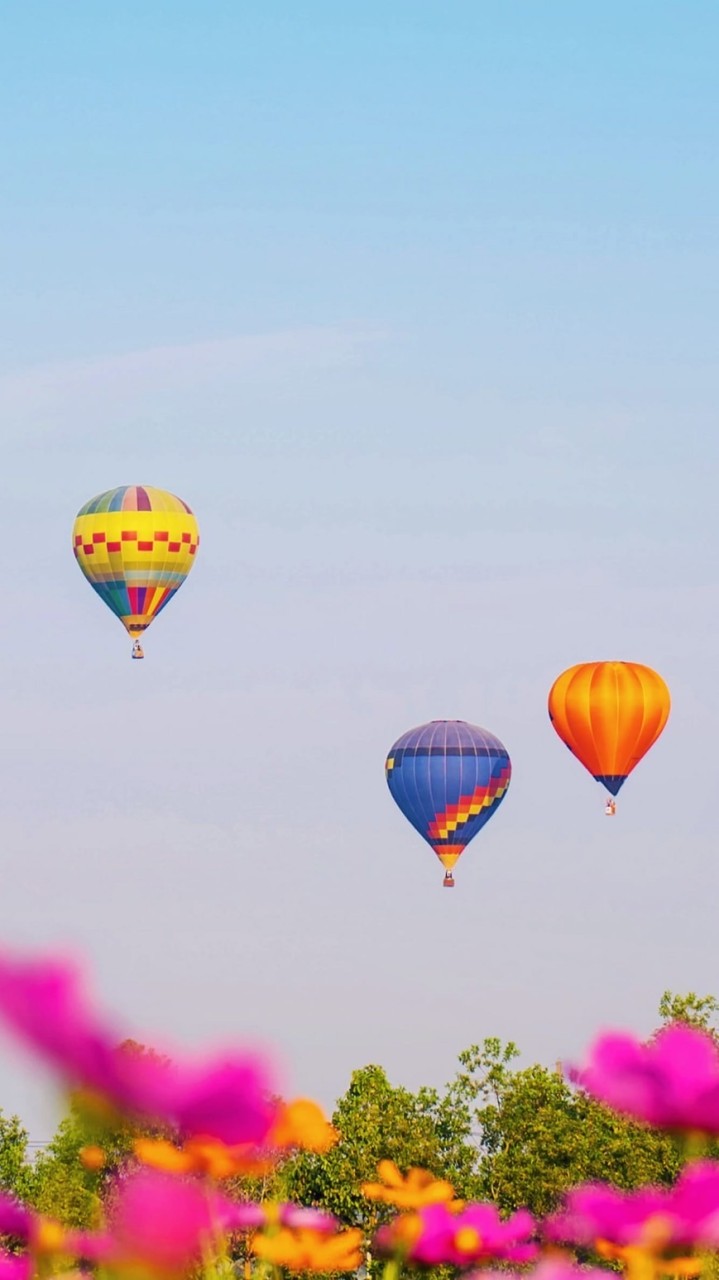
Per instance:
{"type": "Point", "coordinates": [415, 303]}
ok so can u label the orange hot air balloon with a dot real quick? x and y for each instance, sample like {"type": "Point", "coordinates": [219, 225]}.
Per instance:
{"type": "Point", "coordinates": [609, 714]}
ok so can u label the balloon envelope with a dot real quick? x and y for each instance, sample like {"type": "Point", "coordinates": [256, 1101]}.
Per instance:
{"type": "Point", "coordinates": [135, 545]}
{"type": "Point", "coordinates": [448, 778]}
{"type": "Point", "coordinates": [609, 714]}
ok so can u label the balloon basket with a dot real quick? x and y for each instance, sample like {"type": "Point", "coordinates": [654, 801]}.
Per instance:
{"type": "Point", "coordinates": [137, 651]}
{"type": "Point", "coordinates": [448, 881]}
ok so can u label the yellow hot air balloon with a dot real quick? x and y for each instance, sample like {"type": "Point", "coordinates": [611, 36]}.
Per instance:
{"type": "Point", "coordinates": [135, 545]}
{"type": "Point", "coordinates": [609, 714]}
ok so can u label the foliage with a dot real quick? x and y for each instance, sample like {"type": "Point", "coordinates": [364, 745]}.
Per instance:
{"type": "Point", "coordinates": [61, 1185]}
{"type": "Point", "coordinates": [518, 1136]}
{"type": "Point", "coordinates": [694, 1010]}
{"type": "Point", "coordinates": [16, 1172]}
{"type": "Point", "coordinates": [376, 1120]}
{"type": "Point", "coordinates": [543, 1137]}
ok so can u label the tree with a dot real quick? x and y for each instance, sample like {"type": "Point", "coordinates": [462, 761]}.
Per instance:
{"type": "Point", "coordinates": [538, 1135]}
{"type": "Point", "coordinates": [543, 1136]}
{"type": "Point", "coordinates": [62, 1186]}
{"type": "Point", "coordinates": [16, 1170]}
{"type": "Point", "coordinates": [694, 1010]}
{"type": "Point", "coordinates": [517, 1136]}
{"type": "Point", "coordinates": [376, 1121]}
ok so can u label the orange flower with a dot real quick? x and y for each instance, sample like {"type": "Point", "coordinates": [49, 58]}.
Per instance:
{"type": "Point", "coordinates": [307, 1250]}
{"type": "Point", "coordinates": [642, 1264]}
{"type": "Point", "coordinates": [49, 1238]}
{"type": "Point", "coordinates": [297, 1124]}
{"type": "Point", "coordinates": [92, 1158]}
{"type": "Point", "coordinates": [405, 1230]}
{"type": "Point", "coordinates": [157, 1153]}
{"type": "Point", "coordinates": [417, 1190]}
{"type": "Point", "coordinates": [200, 1155]}
{"type": "Point", "coordinates": [220, 1161]}
{"type": "Point", "coordinates": [302, 1123]}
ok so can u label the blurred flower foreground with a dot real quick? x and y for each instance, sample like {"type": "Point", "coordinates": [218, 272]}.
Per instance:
{"type": "Point", "coordinates": [192, 1168]}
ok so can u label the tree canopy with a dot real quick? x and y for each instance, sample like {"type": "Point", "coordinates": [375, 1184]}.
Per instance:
{"type": "Point", "coordinates": [516, 1135]}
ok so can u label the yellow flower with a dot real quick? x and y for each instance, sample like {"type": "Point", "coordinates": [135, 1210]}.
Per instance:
{"type": "Point", "coordinates": [419, 1188]}
{"type": "Point", "coordinates": [306, 1250]}
{"type": "Point", "coordinates": [302, 1123]}
{"type": "Point", "coordinates": [467, 1240]}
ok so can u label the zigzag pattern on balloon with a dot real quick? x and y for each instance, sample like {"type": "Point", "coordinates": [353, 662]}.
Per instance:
{"type": "Point", "coordinates": [455, 815]}
{"type": "Point", "coordinates": [449, 778]}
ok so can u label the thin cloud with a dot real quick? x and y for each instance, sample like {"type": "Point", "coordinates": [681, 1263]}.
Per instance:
{"type": "Point", "coordinates": [43, 395]}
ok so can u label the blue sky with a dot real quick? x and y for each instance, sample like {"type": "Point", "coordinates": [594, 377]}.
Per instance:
{"type": "Point", "coordinates": [415, 304]}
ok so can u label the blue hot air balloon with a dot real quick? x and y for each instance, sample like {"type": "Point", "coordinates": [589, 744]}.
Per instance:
{"type": "Point", "coordinates": [448, 778]}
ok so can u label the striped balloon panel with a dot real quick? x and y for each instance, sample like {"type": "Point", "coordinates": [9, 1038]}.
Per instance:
{"type": "Point", "coordinates": [448, 778]}
{"type": "Point", "coordinates": [136, 558]}
{"type": "Point", "coordinates": [609, 714]}
{"type": "Point", "coordinates": [134, 497]}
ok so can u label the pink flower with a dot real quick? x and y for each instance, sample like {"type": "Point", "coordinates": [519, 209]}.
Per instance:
{"type": "Point", "coordinates": [549, 1269]}
{"type": "Point", "coordinates": [89, 1246]}
{"type": "Point", "coordinates": [226, 1098]}
{"type": "Point", "coordinates": [165, 1222]}
{"type": "Point", "coordinates": [15, 1218]}
{"type": "Point", "coordinates": [671, 1082]}
{"type": "Point", "coordinates": [15, 1266]}
{"type": "Point", "coordinates": [658, 1219]}
{"type": "Point", "coordinates": [43, 1238]}
{"type": "Point", "coordinates": [248, 1216]}
{"type": "Point", "coordinates": [299, 1218]}
{"type": "Point", "coordinates": [436, 1235]}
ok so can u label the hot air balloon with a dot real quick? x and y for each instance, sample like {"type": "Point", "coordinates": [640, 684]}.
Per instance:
{"type": "Point", "coordinates": [448, 778]}
{"type": "Point", "coordinates": [609, 714]}
{"type": "Point", "coordinates": [135, 545]}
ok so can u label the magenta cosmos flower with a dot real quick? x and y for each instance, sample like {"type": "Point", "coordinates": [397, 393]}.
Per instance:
{"type": "Point", "coordinates": [658, 1219]}
{"type": "Point", "coordinates": [550, 1269]}
{"type": "Point", "coordinates": [43, 1238]}
{"type": "Point", "coordinates": [249, 1216]}
{"type": "Point", "coordinates": [226, 1098]}
{"type": "Point", "coordinates": [437, 1235]}
{"type": "Point", "coordinates": [15, 1266]}
{"type": "Point", "coordinates": [165, 1223]}
{"type": "Point", "coordinates": [16, 1219]}
{"type": "Point", "coordinates": [671, 1082]}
